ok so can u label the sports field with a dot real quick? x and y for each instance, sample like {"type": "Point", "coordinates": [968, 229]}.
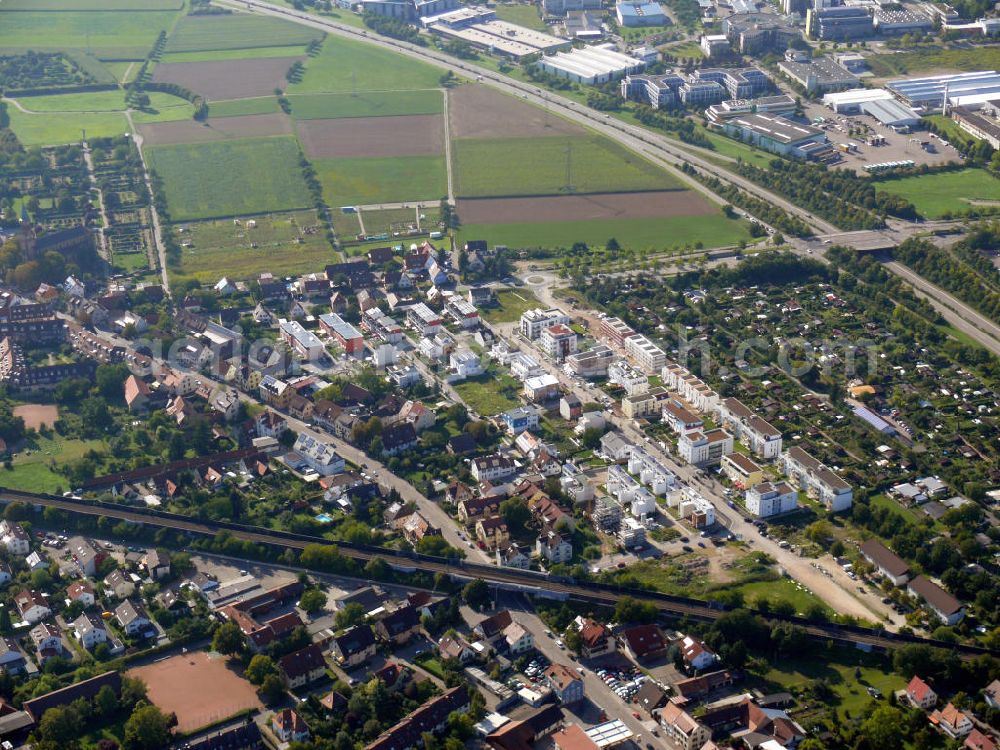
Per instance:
{"type": "Point", "coordinates": [366, 104]}
{"type": "Point", "coordinates": [373, 180]}
{"type": "Point", "coordinates": [230, 178]}
{"type": "Point", "coordinates": [223, 32]}
{"type": "Point", "coordinates": [947, 192]}
{"type": "Point", "coordinates": [346, 65]}
{"type": "Point", "coordinates": [286, 244]}
{"type": "Point", "coordinates": [551, 166]}
{"type": "Point", "coordinates": [640, 233]}
{"type": "Point", "coordinates": [54, 129]}
{"type": "Point", "coordinates": [108, 35]}
{"type": "Point", "coordinates": [33, 470]}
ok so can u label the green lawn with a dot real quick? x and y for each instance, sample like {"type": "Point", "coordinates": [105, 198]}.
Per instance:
{"type": "Point", "coordinates": [129, 262]}
{"type": "Point", "coordinates": [523, 14]}
{"type": "Point", "coordinates": [108, 35]}
{"type": "Point", "coordinates": [98, 101]}
{"type": "Point", "coordinates": [838, 669]}
{"type": "Point", "coordinates": [511, 305]}
{"type": "Point", "coordinates": [230, 178]}
{"type": "Point", "coordinates": [935, 58]}
{"type": "Point", "coordinates": [730, 147]}
{"type": "Point", "coordinates": [93, 5]}
{"type": "Point", "coordinates": [784, 589]}
{"type": "Point", "coordinates": [53, 129]}
{"type": "Point", "coordinates": [946, 192]}
{"type": "Point", "coordinates": [279, 244]}
{"type": "Point", "coordinates": [366, 104]}
{"type": "Point", "coordinates": [161, 110]}
{"type": "Point", "coordinates": [347, 65]}
{"type": "Point", "coordinates": [377, 222]}
{"type": "Point", "coordinates": [391, 179]}
{"type": "Point", "coordinates": [226, 32]}
{"type": "Point", "coordinates": [489, 394]}
{"type": "Point", "coordinates": [685, 49]}
{"type": "Point", "coordinates": [538, 166]}
{"type": "Point", "coordinates": [642, 233]}
{"type": "Point", "coordinates": [33, 473]}
{"type": "Point", "coordinates": [246, 53]}
{"type": "Point", "coordinates": [260, 105]}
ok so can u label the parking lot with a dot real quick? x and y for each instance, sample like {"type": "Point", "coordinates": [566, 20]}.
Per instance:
{"type": "Point", "coordinates": [897, 146]}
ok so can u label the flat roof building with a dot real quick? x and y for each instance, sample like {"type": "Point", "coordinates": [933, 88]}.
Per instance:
{"type": "Point", "coordinates": [964, 89]}
{"type": "Point", "coordinates": [775, 134]}
{"type": "Point", "coordinates": [643, 13]}
{"type": "Point", "coordinates": [500, 37]}
{"type": "Point", "coordinates": [819, 75]}
{"type": "Point", "coordinates": [591, 65]}
{"type": "Point", "coordinates": [305, 343]}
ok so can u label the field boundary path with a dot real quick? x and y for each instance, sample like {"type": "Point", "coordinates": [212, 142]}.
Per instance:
{"type": "Point", "coordinates": [161, 250]}
{"type": "Point", "coordinates": [89, 161]}
{"type": "Point", "coordinates": [447, 151]}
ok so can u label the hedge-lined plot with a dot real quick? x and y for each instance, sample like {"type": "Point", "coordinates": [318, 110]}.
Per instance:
{"type": "Point", "coordinates": [230, 178]}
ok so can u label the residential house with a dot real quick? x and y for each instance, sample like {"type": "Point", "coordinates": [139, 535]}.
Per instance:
{"type": "Point", "coordinates": [81, 591]}
{"type": "Point", "coordinates": [15, 538]}
{"type": "Point", "coordinates": [518, 638]}
{"type": "Point", "coordinates": [47, 640]}
{"type": "Point", "coordinates": [947, 608]}
{"type": "Point", "coordinates": [398, 438]}
{"type": "Point", "coordinates": [643, 642]}
{"type": "Point", "coordinates": [288, 726]}
{"type": "Point", "coordinates": [991, 694]}
{"type": "Point", "coordinates": [595, 639]}
{"type": "Point", "coordinates": [976, 740]}
{"type": "Point", "coordinates": [354, 647]}
{"type": "Point", "coordinates": [682, 730]}
{"type": "Point", "coordinates": [920, 695]}
{"type": "Point", "coordinates": [33, 606]}
{"type": "Point", "coordinates": [133, 619]}
{"type": "Point", "coordinates": [570, 407]}
{"type": "Point", "coordinates": [519, 419]}
{"type": "Point", "coordinates": [491, 628]}
{"type": "Point", "coordinates": [431, 718]}
{"type": "Point", "coordinates": [513, 556]}
{"type": "Point", "coordinates": [303, 666]}
{"type": "Point", "coordinates": [472, 509]}
{"type": "Point", "coordinates": [696, 655]}
{"type": "Point", "coordinates": [886, 563]}
{"type": "Point", "coordinates": [553, 547]}
{"type": "Point", "coordinates": [320, 456]}
{"type": "Point", "coordinates": [492, 532]}
{"type": "Point", "coordinates": [90, 630]}
{"type": "Point", "coordinates": [565, 683]}
{"type": "Point", "coordinates": [953, 722]}
{"type": "Point", "coordinates": [12, 660]}
{"type": "Point", "coordinates": [493, 468]}
{"type": "Point", "coordinates": [456, 648]}
{"type": "Point", "coordinates": [118, 584]}
{"type": "Point", "coordinates": [157, 564]}
{"type": "Point", "coordinates": [137, 393]}
{"type": "Point", "coordinates": [399, 626]}
{"type": "Point", "coordinates": [418, 414]}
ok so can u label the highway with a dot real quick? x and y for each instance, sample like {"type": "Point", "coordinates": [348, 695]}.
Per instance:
{"type": "Point", "coordinates": [524, 580]}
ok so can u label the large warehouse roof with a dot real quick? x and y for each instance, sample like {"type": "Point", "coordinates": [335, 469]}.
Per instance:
{"type": "Point", "coordinates": [963, 88]}
{"type": "Point", "coordinates": [890, 112]}
{"type": "Point", "coordinates": [591, 62]}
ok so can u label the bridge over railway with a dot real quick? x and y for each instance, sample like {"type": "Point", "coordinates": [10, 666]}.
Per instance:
{"type": "Point", "coordinates": [524, 580]}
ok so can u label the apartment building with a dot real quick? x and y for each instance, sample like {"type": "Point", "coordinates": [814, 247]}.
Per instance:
{"type": "Point", "coordinates": [533, 322]}
{"type": "Point", "coordinates": [753, 431]}
{"type": "Point", "coordinates": [593, 363]}
{"type": "Point", "coordinates": [558, 341]}
{"type": "Point", "coordinates": [742, 471]}
{"type": "Point", "coordinates": [809, 474]}
{"type": "Point", "coordinates": [634, 382]}
{"type": "Point", "coordinates": [646, 355]}
{"type": "Point", "coordinates": [704, 448]}
{"type": "Point", "coordinates": [615, 331]}
{"type": "Point", "coordinates": [768, 499]}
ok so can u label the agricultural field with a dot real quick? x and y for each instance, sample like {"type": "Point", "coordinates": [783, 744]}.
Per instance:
{"type": "Point", "coordinates": [246, 53]}
{"type": "Point", "coordinates": [942, 193]}
{"type": "Point", "coordinates": [107, 35]}
{"type": "Point", "coordinates": [346, 65]}
{"type": "Point", "coordinates": [227, 79]}
{"type": "Point", "coordinates": [551, 166]}
{"type": "Point", "coordinates": [261, 105]}
{"type": "Point", "coordinates": [642, 234]}
{"type": "Point", "coordinates": [366, 104]}
{"type": "Point", "coordinates": [477, 111]}
{"type": "Point", "coordinates": [286, 244]}
{"type": "Point", "coordinates": [93, 5]}
{"type": "Point", "coordinates": [373, 180]}
{"type": "Point", "coordinates": [52, 129]}
{"type": "Point", "coordinates": [225, 32]}
{"type": "Point", "coordinates": [97, 101]}
{"type": "Point", "coordinates": [230, 178]}
{"type": "Point", "coordinates": [372, 137]}
{"type": "Point", "coordinates": [217, 129]}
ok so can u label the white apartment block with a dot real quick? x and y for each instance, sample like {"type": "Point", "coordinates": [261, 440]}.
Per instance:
{"type": "Point", "coordinates": [629, 491]}
{"type": "Point", "coordinates": [524, 366]}
{"type": "Point", "coordinates": [703, 448]}
{"type": "Point", "coordinates": [817, 479]}
{"type": "Point", "coordinates": [533, 322]}
{"type": "Point", "coordinates": [690, 388]}
{"type": "Point", "coordinates": [423, 320]}
{"type": "Point", "coordinates": [558, 342]}
{"type": "Point", "coordinates": [463, 311]}
{"type": "Point", "coordinates": [693, 507]}
{"type": "Point", "coordinates": [679, 418]}
{"type": "Point", "coordinates": [631, 533]}
{"type": "Point", "coordinates": [762, 438]}
{"type": "Point", "coordinates": [651, 472]}
{"type": "Point", "coordinates": [622, 373]}
{"type": "Point", "coordinates": [768, 499]}
{"type": "Point", "coordinates": [647, 356]}
{"type": "Point", "coordinates": [592, 363]}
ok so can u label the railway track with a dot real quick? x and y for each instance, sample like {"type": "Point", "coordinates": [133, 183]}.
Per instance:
{"type": "Point", "coordinates": [558, 586]}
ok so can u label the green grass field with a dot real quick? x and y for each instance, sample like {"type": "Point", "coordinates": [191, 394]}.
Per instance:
{"type": "Point", "coordinates": [33, 473]}
{"type": "Point", "coordinates": [366, 104]}
{"type": "Point", "coordinates": [937, 194]}
{"type": "Point", "coordinates": [728, 147]}
{"type": "Point", "coordinates": [285, 244]}
{"type": "Point", "coordinates": [261, 105]}
{"type": "Point", "coordinates": [93, 5]}
{"type": "Point", "coordinates": [226, 32]}
{"type": "Point", "coordinates": [391, 179]}
{"type": "Point", "coordinates": [642, 233]}
{"type": "Point", "coordinates": [685, 49]}
{"type": "Point", "coordinates": [246, 53]}
{"type": "Point", "coordinates": [538, 166]}
{"type": "Point", "coordinates": [164, 111]}
{"type": "Point", "coordinates": [511, 305]}
{"type": "Point", "coordinates": [784, 589]}
{"type": "Point", "coordinates": [230, 178]}
{"type": "Point", "coordinates": [523, 14]}
{"type": "Point", "coordinates": [377, 222]}
{"type": "Point", "coordinates": [935, 58]}
{"type": "Point", "coordinates": [487, 395]}
{"type": "Point", "coordinates": [108, 35]}
{"type": "Point", "coordinates": [346, 65]}
{"type": "Point", "coordinates": [53, 129]}
{"type": "Point", "coordinates": [96, 101]}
